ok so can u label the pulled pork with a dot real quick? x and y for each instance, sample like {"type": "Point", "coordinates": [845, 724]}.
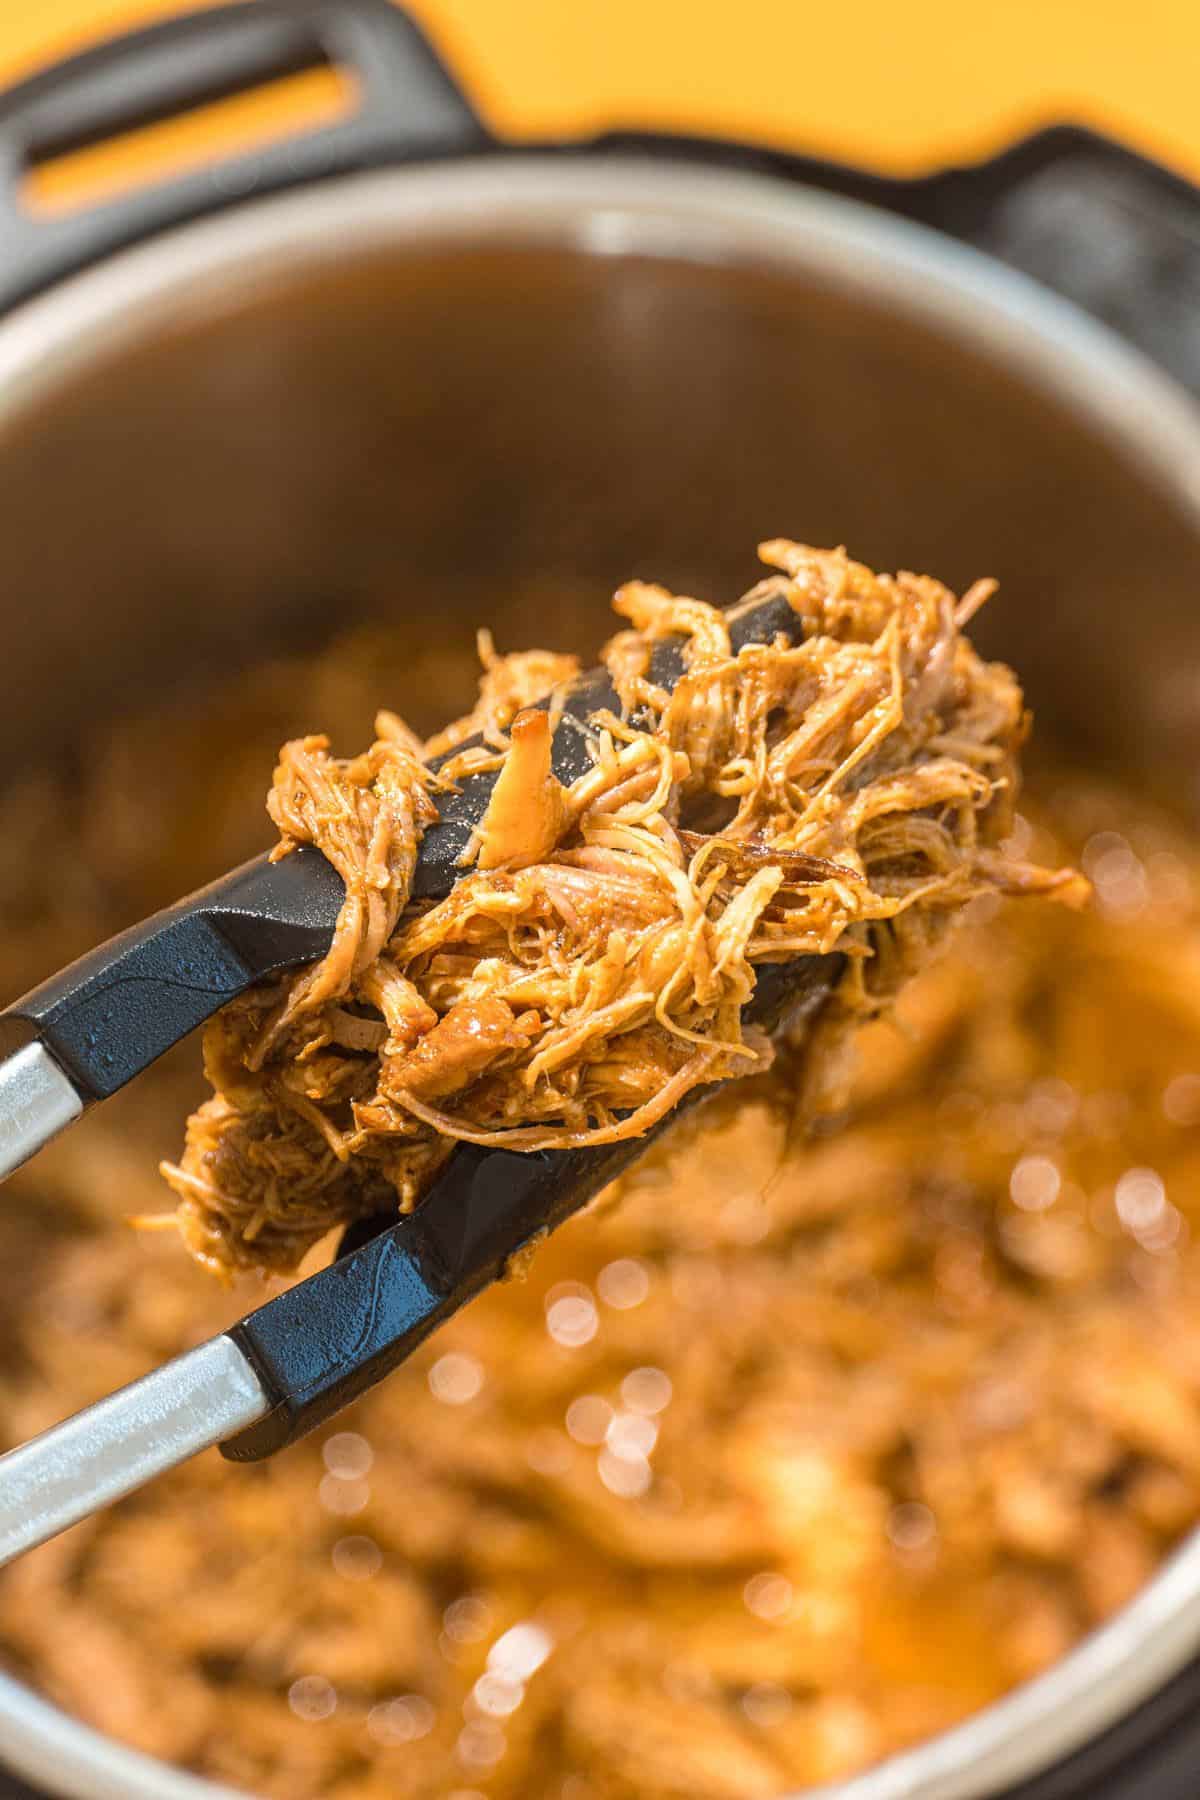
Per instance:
{"type": "Point", "coordinates": [843, 793]}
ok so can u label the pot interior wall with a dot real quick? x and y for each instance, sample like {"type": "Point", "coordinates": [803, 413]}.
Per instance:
{"type": "Point", "coordinates": [468, 434]}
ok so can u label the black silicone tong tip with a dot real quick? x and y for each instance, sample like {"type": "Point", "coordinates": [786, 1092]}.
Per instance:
{"type": "Point", "coordinates": [330, 1338]}
{"type": "Point", "coordinates": [122, 1006]}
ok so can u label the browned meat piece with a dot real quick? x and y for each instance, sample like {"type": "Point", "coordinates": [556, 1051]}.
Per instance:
{"type": "Point", "coordinates": [458, 1049]}
{"type": "Point", "coordinates": [527, 812]}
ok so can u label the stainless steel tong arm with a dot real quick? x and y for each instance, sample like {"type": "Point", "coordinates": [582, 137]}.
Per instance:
{"type": "Point", "coordinates": [104, 1452]}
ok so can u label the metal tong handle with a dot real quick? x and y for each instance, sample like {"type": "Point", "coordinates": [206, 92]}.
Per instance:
{"type": "Point", "coordinates": [123, 1441]}
{"type": "Point", "coordinates": [301, 1357]}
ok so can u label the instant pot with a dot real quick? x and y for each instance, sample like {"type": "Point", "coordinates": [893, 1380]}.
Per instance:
{"type": "Point", "coordinates": [396, 369]}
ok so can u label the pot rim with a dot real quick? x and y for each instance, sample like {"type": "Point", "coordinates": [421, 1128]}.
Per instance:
{"type": "Point", "coordinates": [622, 206]}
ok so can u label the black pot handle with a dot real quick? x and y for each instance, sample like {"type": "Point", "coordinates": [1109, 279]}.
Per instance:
{"type": "Point", "coordinates": [1099, 224]}
{"type": "Point", "coordinates": [408, 107]}
{"type": "Point", "coordinates": [1094, 221]}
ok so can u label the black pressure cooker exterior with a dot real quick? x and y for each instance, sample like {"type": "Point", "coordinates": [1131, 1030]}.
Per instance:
{"type": "Point", "coordinates": [1086, 217]}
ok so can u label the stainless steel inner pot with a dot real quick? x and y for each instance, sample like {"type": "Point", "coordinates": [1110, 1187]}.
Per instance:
{"type": "Point", "coordinates": [490, 390]}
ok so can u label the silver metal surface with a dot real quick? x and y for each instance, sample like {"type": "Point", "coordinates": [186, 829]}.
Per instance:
{"type": "Point", "coordinates": [1120, 1664]}
{"type": "Point", "coordinates": [619, 212]}
{"type": "Point", "coordinates": [614, 208]}
{"type": "Point", "coordinates": [37, 1101]}
{"type": "Point", "coordinates": [73, 1469]}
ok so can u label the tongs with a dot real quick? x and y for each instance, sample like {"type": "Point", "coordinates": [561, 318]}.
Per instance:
{"type": "Point", "coordinates": [292, 1363]}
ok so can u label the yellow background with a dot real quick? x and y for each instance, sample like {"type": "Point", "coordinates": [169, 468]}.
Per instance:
{"type": "Point", "coordinates": [901, 84]}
